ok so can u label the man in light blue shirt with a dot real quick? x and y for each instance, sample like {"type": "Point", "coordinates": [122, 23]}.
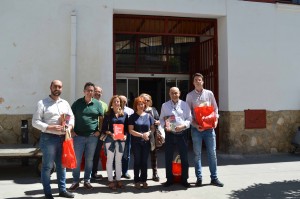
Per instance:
{"type": "Point", "coordinates": [175, 118]}
{"type": "Point", "coordinates": [203, 97]}
{"type": "Point", "coordinates": [126, 154]}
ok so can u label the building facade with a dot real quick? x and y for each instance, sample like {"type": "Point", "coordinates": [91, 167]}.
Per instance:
{"type": "Point", "coordinates": [253, 62]}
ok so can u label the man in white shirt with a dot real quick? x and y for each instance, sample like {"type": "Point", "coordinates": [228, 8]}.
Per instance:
{"type": "Point", "coordinates": [203, 97]}
{"type": "Point", "coordinates": [175, 118]}
{"type": "Point", "coordinates": [48, 119]}
{"type": "Point", "coordinates": [126, 154]}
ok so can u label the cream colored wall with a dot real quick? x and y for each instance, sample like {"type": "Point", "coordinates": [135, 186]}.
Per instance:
{"type": "Point", "coordinates": [257, 42]}
{"type": "Point", "coordinates": [263, 56]}
{"type": "Point", "coordinates": [35, 49]}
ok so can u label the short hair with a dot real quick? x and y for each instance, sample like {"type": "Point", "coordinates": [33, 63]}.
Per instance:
{"type": "Point", "coordinates": [89, 84]}
{"type": "Point", "coordinates": [149, 96]}
{"type": "Point", "coordinates": [138, 100]}
{"type": "Point", "coordinates": [197, 75]}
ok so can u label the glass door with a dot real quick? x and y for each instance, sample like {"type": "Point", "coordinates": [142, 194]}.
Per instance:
{"type": "Point", "coordinates": [182, 83]}
{"type": "Point", "coordinates": [158, 86]}
{"type": "Point", "coordinates": [128, 87]}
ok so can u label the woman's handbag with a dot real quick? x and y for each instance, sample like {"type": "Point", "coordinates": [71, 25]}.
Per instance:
{"type": "Point", "coordinates": [159, 137]}
{"type": "Point", "coordinates": [68, 153]}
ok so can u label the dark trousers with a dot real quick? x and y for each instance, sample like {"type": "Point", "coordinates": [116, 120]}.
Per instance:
{"type": "Point", "coordinates": [97, 157]}
{"type": "Point", "coordinates": [140, 152]}
{"type": "Point", "coordinates": [180, 140]}
{"type": "Point", "coordinates": [126, 155]}
{"type": "Point", "coordinates": [153, 155]}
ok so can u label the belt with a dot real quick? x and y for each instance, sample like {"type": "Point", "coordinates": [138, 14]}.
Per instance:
{"type": "Point", "coordinates": [54, 135]}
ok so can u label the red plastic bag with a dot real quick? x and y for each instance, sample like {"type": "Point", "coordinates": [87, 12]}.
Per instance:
{"type": "Point", "coordinates": [68, 154]}
{"type": "Point", "coordinates": [103, 158]}
{"type": "Point", "coordinates": [176, 169]}
{"type": "Point", "coordinates": [205, 116]}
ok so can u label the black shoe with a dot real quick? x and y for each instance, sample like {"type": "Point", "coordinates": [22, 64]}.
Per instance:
{"type": "Point", "coordinates": [74, 186]}
{"type": "Point", "coordinates": [97, 177]}
{"type": "Point", "coordinates": [66, 194]}
{"type": "Point", "coordinates": [216, 182]}
{"type": "Point", "coordinates": [186, 184]}
{"type": "Point", "coordinates": [88, 185]}
{"type": "Point", "coordinates": [198, 183]}
{"type": "Point", "coordinates": [155, 177]}
{"type": "Point", "coordinates": [168, 183]}
{"type": "Point", "coordinates": [49, 196]}
{"type": "Point", "coordinates": [126, 175]}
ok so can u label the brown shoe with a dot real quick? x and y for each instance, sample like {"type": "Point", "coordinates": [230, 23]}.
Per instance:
{"type": "Point", "coordinates": [145, 185]}
{"type": "Point", "coordinates": [112, 186]}
{"type": "Point", "coordinates": [120, 185]}
{"type": "Point", "coordinates": [87, 185]}
{"type": "Point", "coordinates": [74, 186]}
{"type": "Point", "coordinates": [137, 185]}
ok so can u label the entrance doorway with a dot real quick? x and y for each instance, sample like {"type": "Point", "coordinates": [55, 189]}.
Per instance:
{"type": "Point", "coordinates": [158, 87]}
{"type": "Point", "coordinates": [152, 53]}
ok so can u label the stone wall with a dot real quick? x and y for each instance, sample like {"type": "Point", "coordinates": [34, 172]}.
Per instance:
{"type": "Point", "coordinates": [233, 137]}
{"type": "Point", "coordinates": [10, 129]}
{"type": "Point", "coordinates": [280, 128]}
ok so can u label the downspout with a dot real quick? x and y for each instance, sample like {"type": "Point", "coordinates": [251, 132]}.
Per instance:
{"type": "Point", "coordinates": [73, 68]}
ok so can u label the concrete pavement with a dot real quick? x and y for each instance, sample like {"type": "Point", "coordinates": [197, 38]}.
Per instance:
{"type": "Point", "coordinates": [245, 176]}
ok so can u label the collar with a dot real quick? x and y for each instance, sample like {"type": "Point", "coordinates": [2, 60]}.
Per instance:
{"type": "Point", "coordinates": [83, 100]}
{"type": "Point", "coordinates": [197, 92]}
{"type": "Point", "coordinates": [52, 100]}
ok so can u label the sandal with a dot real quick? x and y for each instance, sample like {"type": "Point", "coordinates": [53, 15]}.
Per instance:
{"type": "Point", "coordinates": [120, 185]}
{"type": "Point", "coordinates": [112, 186]}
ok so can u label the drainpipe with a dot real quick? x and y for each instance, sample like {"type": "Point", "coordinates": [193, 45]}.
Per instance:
{"type": "Point", "coordinates": [73, 56]}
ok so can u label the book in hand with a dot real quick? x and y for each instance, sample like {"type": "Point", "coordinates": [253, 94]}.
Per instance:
{"type": "Point", "coordinates": [64, 120]}
{"type": "Point", "coordinates": [118, 131]}
{"type": "Point", "coordinates": [170, 122]}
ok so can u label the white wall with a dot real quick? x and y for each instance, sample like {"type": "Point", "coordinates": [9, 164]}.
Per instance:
{"type": "Point", "coordinates": [258, 49]}
{"type": "Point", "coordinates": [263, 56]}
{"type": "Point", "coordinates": [35, 49]}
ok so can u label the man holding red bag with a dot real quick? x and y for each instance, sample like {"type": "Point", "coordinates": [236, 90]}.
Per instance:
{"type": "Point", "coordinates": [47, 118]}
{"type": "Point", "coordinates": [205, 118]}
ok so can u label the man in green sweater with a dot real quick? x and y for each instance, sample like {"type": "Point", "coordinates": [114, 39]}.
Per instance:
{"type": "Point", "coordinates": [86, 134]}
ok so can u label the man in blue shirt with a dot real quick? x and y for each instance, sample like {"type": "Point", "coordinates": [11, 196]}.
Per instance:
{"type": "Point", "coordinates": [175, 118]}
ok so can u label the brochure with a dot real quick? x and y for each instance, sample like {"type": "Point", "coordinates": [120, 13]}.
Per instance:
{"type": "Point", "coordinates": [118, 131]}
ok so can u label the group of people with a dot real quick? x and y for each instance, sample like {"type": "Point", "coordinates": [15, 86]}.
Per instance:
{"type": "Point", "coordinates": [90, 118]}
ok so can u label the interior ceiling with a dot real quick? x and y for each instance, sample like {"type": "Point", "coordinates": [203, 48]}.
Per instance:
{"type": "Point", "coordinates": [151, 25]}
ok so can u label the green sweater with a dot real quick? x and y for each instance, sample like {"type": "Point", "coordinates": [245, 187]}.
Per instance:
{"type": "Point", "coordinates": [86, 116]}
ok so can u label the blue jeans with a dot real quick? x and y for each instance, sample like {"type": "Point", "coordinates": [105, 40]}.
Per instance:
{"type": "Point", "coordinates": [51, 146]}
{"type": "Point", "coordinates": [126, 155]}
{"type": "Point", "coordinates": [209, 138]}
{"type": "Point", "coordinates": [180, 140]}
{"type": "Point", "coordinates": [86, 145]}
{"type": "Point", "coordinates": [141, 151]}
{"type": "Point", "coordinates": [97, 157]}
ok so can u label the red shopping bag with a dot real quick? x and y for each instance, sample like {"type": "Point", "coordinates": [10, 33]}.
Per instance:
{"type": "Point", "coordinates": [103, 158]}
{"type": "Point", "coordinates": [68, 153]}
{"type": "Point", "coordinates": [176, 169]}
{"type": "Point", "coordinates": [205, 116]}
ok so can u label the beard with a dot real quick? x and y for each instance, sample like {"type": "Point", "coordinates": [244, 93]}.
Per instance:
{"type": "Point", "coordinates": [56, 93]}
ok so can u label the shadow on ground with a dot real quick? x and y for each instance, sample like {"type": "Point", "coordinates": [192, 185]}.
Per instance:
{"type": "Point", "coordinates": [274, 190]}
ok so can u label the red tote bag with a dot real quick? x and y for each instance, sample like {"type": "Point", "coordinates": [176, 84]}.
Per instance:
{"type": "Point", "coordinates": [205, 116]}
{"type": "Point", "coordinates": [176, 169]}
{"type": "Point", "coordinates": [68, 153]}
